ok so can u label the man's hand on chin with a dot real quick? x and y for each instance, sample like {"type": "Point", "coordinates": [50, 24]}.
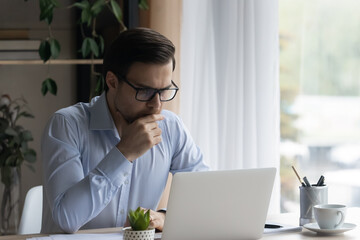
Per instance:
{"type": "Point", "coordinates": [139, 136]}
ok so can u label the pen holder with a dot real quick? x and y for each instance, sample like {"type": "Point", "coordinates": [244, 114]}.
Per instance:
{"type": "Point", "coordinates": [309, 197]}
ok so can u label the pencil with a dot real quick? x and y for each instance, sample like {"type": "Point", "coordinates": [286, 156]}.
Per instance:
{"type": "Point", "coordinates": [301, 182]}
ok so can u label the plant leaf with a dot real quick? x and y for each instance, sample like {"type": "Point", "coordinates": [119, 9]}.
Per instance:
{"type": "Point", "coordinates": [86, 47]}
{"type": "Point", "coordinates": [82, 5]}
{"type": "Point", "coordinates": [52, 87]}
{"type": "Point", "coordinates": [30, 156]}
{"type": "Point", "coordinates": [99, 85]}
{"type": "Point", "coordinates": [47, 9]}
{"type": "Point", "coordinates": [132, 217]}
{"type": "Point", "coordinates": [24, 114]}
{"type": "Point", "coordinates": [97, 7]}
{"type": "Point", "coordinates": [44, 50]}
{"type": "Point", "coordinates": [49, 85]}
{"type": "Point", "coordinates": [88, 17]}
{"type": "Point", "coordinates": [54, 48]}
{"type": "Point", "coordinates": [10, 131]}
{"type": "Point", "coordinates": [116, 10]}
{"type": "Point", "coordinates": [44, 88]}
{"type": "Point", "coordinates": [139, 220]}
{"type": "Point", "coordinates": [55, 3]}
{"type": "Point", "coordinates": [3, 124]}
{"type": "Point", "coordinates": [143, 5]}
{"type": "Point", "coordinates": [102, 44]}
{"type": "Point", "coordinates": [94, 47]}
{"type": "Point", "coordinates": [27, 136]}
{"type": "Point", "coordinates": [86, 13]}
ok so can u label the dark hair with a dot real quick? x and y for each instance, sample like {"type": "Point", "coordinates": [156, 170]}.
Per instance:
{"type": "Point", "coordinates": [137, 45]}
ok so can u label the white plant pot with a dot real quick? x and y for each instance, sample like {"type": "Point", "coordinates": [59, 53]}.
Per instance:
{"type": "Point", "coordinates": [130, 234]}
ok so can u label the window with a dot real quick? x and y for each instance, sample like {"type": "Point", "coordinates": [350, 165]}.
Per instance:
{"type": "Point", "coordinates": [320, 97]}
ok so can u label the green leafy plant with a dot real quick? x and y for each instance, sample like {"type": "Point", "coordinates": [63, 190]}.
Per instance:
{"type": "Point", "coordinates": [13, 137]}
{"type": "Point", "coordinates": [14, 151]}
{"type": "Point", "coordinates": [92, 44]}
{"type": "Point", "coordinates": [139, 219]}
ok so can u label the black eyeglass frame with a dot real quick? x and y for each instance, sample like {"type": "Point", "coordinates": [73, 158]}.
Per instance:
{"type": "Point", "coordinates": [156, 91]}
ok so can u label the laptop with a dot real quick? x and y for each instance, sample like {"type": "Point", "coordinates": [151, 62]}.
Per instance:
{"type": "Point", "coordinates": [229, 204]}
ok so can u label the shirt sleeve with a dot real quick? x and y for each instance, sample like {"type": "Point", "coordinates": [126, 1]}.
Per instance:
{"type": "Point", "coordinates": [186, 156]}
{"type": "Point", "coordinates": [74, 198]}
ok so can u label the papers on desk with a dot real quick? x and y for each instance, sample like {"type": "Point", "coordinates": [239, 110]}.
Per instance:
{"type": "Point", "coordinates": [92, 236]}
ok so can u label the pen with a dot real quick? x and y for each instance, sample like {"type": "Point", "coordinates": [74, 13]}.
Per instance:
{"type": "Point", "coordinates": [306, 182]}
{"type": "Point", "coordinates": [301, 182]}
{"type": "Point", "coordinates": [320, 181]}
{"type": "Point", "coordinates": [272, 226]}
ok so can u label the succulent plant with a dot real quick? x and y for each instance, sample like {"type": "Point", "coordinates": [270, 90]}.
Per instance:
{"type": "Point", "coordinates": [139, 219]}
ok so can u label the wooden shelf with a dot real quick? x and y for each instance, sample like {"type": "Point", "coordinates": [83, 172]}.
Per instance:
{"type": "Point", "coordinates": [52, 62]}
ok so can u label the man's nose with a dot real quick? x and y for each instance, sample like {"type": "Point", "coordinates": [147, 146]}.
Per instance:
{"type": "Point", "coordinates": [155, 101]}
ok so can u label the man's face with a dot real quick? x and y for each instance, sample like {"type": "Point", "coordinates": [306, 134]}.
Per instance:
{"type": "Point", "coordinates": [142, 75]}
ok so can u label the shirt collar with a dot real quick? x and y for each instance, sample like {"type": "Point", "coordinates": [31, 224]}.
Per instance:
{"type": "Point", "coordinates": [100, 117]}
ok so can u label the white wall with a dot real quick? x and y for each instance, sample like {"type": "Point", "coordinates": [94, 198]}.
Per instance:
{"type": "Point", "coordinates": [25, 80]}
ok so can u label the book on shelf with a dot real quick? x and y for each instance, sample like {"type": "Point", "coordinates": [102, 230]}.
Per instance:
{"type": "Point", "coordinates": [14, 33]}
{"type": "Point", "coordinates": [19, 55]}
{"type": "Point", "coordinates": [19, 45]}
{"type": "Point", "coordinates": [19, 49]}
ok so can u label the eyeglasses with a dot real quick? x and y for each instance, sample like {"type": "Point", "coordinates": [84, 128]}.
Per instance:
{"type": "Point", "coordinates": [146, 94]}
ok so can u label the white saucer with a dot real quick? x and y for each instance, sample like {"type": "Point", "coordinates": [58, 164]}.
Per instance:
{"type": "Point", "coordinates": [315, 227]}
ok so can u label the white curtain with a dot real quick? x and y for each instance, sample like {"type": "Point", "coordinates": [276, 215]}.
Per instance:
{"type": "Point", "coordinates": [229, 83]}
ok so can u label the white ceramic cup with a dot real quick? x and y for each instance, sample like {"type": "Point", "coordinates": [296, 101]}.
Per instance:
{"type": "Point", "coordinates": [330, 216]}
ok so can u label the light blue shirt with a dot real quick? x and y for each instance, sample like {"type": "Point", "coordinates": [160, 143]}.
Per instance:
{"type": "Point", "coordinates": [88, 183]}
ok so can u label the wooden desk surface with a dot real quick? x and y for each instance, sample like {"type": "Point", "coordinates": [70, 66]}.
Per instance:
{"type": "Point", "coordinates": [353, 216]}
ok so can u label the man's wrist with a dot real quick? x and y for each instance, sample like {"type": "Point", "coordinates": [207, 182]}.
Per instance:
{"type": "Point", "coordinates": [125, 153]}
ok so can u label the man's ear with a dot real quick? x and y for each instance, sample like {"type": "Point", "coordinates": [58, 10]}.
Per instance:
{"type": "Point", "coordinates": [111, 80]}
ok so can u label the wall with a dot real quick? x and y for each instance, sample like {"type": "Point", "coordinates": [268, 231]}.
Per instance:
{"type": "Point", "coordinates": [25, 80]}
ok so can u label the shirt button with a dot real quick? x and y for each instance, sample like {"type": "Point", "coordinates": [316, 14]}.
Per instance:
{"type": "Point", "coordinates": [122, 211]}
{"type": "Point", "coordinates": [126, 182]}
{"type": "Point", "coordinates": [125, 174]}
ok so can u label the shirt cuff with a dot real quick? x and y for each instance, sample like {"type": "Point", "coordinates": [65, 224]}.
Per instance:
{"type": "Point", "coordinates": [115, 167]}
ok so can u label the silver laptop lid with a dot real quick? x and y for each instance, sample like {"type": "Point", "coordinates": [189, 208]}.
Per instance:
{"type": "Point", "coordinates": [217, 205]}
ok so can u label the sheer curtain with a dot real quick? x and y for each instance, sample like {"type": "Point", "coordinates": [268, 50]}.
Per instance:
{"type": "Point", "coordinates": [229, 82]}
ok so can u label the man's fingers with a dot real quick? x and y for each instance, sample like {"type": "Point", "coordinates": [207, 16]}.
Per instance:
{"type": "Point", "coordinates": [144, 209]}
{"type": "Point", "coordinates": [152, 118]}
{"type": "Point", "coordinates": [139, 136]}
{"type": "Point", "coordinates": [156, 132]}
{"type": "Point", "coordinates": [157, 220]}
{"type": "Point", "coordinates": [157, 140]}
{"type": "Point", "coordinates": [151, 126]}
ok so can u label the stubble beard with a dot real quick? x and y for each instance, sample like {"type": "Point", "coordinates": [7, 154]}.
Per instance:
{"type": "Point", "coordinates": [131, 119]}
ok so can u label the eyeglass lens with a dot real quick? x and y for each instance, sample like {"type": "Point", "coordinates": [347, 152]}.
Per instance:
{"type": "Point", "coordinates": [148, 94]}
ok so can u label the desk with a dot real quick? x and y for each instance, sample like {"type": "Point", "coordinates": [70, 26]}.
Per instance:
{"type": "Point", "coordinates": [353, 216]}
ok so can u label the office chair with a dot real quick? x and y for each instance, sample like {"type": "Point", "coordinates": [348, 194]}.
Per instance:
{"type": "Point", "coordinates": [32, 212]}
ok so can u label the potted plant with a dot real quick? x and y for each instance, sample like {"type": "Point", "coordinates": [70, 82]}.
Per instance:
{"type": "Point", "coordinates": [139, 222]}
{"type": "Point", "coordinates": [14, 151]}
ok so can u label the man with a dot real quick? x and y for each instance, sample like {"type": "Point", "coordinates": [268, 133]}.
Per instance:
{"type": "Point", "coordinates": [102, 158]}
